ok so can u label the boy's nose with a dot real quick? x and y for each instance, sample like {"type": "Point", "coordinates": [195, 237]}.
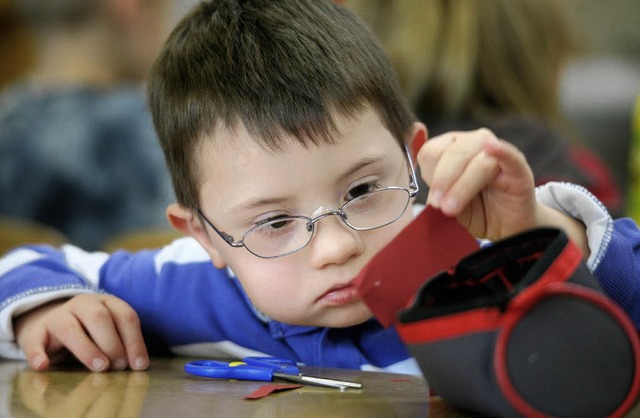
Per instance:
{"type": "Point", "coordinates": [334, 242]}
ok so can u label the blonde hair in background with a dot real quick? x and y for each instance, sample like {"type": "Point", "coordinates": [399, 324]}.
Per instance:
{"type": "Point", "coordinates": [474, 57]}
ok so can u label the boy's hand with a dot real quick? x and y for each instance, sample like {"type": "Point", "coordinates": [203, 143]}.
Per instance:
{"type": "Point", "coordinates": [101, 331]}
{"type": "Point", "coordinates": [483, 181]}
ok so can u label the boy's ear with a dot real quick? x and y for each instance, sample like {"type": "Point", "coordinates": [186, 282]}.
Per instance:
{"type": "Point", "coordinates": [419, 136]}
{"type": "Point", "coordinates": [185, 221]}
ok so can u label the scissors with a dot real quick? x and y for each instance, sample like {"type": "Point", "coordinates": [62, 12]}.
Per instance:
{"type": "Point", "coordinates": [262, 369]}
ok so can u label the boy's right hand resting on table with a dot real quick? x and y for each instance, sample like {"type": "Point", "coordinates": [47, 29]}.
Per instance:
{"type": "Point", "coordinates": [101, 331]}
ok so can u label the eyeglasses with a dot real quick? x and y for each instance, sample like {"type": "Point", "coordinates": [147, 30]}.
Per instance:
{"type": "Point", "coordinates": [287, 234]}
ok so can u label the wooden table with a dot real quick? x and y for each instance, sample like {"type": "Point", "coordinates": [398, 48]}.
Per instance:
{"type": "Point", "coordinates": [165, 390]}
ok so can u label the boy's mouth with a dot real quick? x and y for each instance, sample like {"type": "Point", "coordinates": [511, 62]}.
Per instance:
{"type": "Point", "coordinates": [340, 295]}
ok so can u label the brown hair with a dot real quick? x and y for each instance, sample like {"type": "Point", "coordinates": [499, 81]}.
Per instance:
{"type": "Point", "coordinates": [473, 58]}
{"type": "Point", "coordinates": [273, 66]}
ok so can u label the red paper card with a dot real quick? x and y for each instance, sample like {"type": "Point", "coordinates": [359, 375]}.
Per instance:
{"type": "Point", "coordinates": [266, 390]}
{"type": "Point", "coordinates": [431, 243]}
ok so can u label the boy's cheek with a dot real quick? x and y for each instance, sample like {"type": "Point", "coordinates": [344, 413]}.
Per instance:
{"type": "Point", "coordinates": [217, 258]}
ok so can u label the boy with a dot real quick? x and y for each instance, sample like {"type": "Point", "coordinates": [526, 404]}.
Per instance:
{"type": "Point", "coordinates": [285, 134]}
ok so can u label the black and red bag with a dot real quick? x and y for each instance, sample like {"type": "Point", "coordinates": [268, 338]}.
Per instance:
{"type": "Point", "coordinates": [522, 328]}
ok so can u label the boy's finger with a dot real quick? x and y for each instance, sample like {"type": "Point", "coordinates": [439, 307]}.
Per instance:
{"type": "Point", "coordinates": [33, 345]}
{"type": "Point", "coordinates": [512, 161]}
{"type": "Point", "coordinates": [453, 163]}
{"type": "Point", "coordinates": [430, 153]}
{"type": "Point", "coordinates": [99, 322]}
{"type": "Point", "coordinates": [72, 335]}
{"type": "Point", "coordinates": [478, 174]}
{"type": "Point", "coordinates": [127, 323]}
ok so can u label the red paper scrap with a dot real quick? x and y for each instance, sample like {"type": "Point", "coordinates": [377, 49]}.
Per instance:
{"type": "Point", "coordinates": [431, 243]}
{"type": "Point", "coordinates": [266, 390]}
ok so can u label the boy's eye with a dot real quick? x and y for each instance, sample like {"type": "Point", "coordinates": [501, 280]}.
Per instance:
{"type": "Point", "coordinates": [361, 189]}
{"type": "Point", "coordinates": [278, 228]}
{"type": "Point", "coordinates": [279, 224]}
{"type": "Point", "coordinates": [273, 221]}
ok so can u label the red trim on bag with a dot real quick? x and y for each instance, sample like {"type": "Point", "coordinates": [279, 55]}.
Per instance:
{"type": "Point", "coordinates": [560, 270]}
{"type": "Point", "coordinates": [487, 319]}
{"type": "Point", "coordinates": [512, 317]}
{"type": "Point", "coordinates": [450, 326]}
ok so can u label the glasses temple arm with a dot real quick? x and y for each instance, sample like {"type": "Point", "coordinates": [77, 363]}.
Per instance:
{"type": "Point", "coordinates": [226, 237]}
{"type": "Point", "coordinates": [413, 181]}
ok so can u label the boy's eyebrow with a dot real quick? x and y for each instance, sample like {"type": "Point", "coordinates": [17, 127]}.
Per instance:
{"type": "Point", "coordinates": [364, 162]}
{"type": "Point", "coordinates": [260, 202]}
{"type": "Point", "coordinates": [257, 203]}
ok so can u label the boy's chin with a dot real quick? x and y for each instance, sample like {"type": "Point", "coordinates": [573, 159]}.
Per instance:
{"type": "Point", "coordinates": [330, 317]}
{"type": "Point", "coordinates": [338, 320]}
{"type": "Point", "coordinates": [352, 323]}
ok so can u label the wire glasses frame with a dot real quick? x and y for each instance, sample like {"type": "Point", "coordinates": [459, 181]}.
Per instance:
{"type": "Point", "coordinates": [349, 213]}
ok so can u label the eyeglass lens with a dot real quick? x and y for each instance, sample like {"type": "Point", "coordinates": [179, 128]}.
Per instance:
{"type": "Point", "coordinates": [289, 234]}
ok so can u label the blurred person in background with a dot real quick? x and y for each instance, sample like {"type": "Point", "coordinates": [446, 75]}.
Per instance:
{"type": "Point", "coordinates": [633, 201]}
{"type": "Point", "coordinates": [466, 64]}
{"type": "Point", "coordinates": [16, 44]}
{"type": "Point", "coordinates": [600, 85]}
{"type": "Point", "coordinates": [77, 146]}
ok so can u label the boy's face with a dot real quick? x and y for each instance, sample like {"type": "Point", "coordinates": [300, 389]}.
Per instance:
{"type": "Point", "coordinates": [242, 185]}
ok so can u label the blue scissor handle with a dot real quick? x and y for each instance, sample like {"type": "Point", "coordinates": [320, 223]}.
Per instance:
{"type": "Point", "coordinates": [222, 370]}
{"type": "Point", "coordinates": [279, 365]}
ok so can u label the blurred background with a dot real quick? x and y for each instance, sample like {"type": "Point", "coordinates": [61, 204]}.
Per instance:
{"type": "Point", "coordinates": [78, 152]}
{"type": "Point", "coordinates": [598, 87]}
{"type": "Point", "coordinates": [583, 91]}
